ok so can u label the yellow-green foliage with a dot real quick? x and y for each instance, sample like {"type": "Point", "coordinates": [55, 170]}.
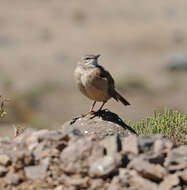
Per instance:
{"type": "Point", "coordinates": [171, 124]}
{"type": "Point", "coordinates": [2, 106]}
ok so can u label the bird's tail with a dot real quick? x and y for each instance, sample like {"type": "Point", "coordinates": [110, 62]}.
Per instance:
{"type": "Point", "coordinates": [119, 97]}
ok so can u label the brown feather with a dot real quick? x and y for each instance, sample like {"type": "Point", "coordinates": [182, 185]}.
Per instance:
{"type": "Point", "coordinates": [119, 97]}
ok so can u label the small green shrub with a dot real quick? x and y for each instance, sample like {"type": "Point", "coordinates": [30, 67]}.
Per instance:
{"type": "Point", "coordinates": [2, 106]}
{"type": "Point", "coordinates": [171, 124]}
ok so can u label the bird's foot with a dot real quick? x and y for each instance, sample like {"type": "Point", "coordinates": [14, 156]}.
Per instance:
{"type": "Point", "coordinates": [97, 113]}
{"type": "Point", "coordinates": [90, 112]}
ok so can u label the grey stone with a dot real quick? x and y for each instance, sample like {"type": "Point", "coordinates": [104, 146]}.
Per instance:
{"type": "Point", "coordinates": [44, 150]}
{"type": "Point", "coordinates": [3, 171]}
{"type": "Point", "coordinates": [60, 187]}
{"type": "Point", "coordinates": [105, 124]}
{"type": "Point", "coordinates": [77, 157]}
{"type": "Point", "coordinates": [147, 170]}
{"type": "Point", "coordinates": [51, 159]}
{"type": "Point", "coordinates": [177, 159]}
{"type": "Point", "coordinates": [138, 182]}
{"type": "Point", "coordinates": [35, 172]}
{"type": "Point", "coordinates": [129, 179]}
{"type": "Point", "coordinates": [161, 149]}
{"type": "Point", "coordinates": [130, 145]}
{"type": "Point", "coordinates": [14, 178]}
{"type": "Point", "coordinates": [4, 159]}
{"type": "Point", "coordinates": [183, 175]}
{"type": "Point", "coordinates": [162, 146]}
{"type": "Point", "coordinates": [102, 167]}
{"type": "Point", "coordinates": [178, 62]}
{"type": "Point", "coordinates": [55, 135]}
{"type": "Point", "coordinates": [27, 133]}
{"type": "Point", "coordinates": [177, 188]}
{"type": "Point", "coordinates": [77, 181]}
{"type": "Point", "coordinates": [97, 183]}
{"type": "Point", "coordinates": [169, 182]}
{"type": "Point", "coordinates": [146, 143]}
{"type": "Point", "coordinates": [71, 131]}
{"type": "Point", "coordinates": [112, 144]}
{"type": "Point", "coordinates": [22, 158]}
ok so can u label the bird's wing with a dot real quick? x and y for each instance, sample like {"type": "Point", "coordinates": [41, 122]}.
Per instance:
{"type": "Point", "coordinates": [105, 74]}
{"type": "Point", "coordinates": [103, 80]}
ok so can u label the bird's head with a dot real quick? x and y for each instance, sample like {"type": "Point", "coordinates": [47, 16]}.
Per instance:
{"type": "Point", "coordinates": [90, 60]}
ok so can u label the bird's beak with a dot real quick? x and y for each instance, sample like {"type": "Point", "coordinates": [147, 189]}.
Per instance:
{"type": "Point", "coordinates": [97, 56]}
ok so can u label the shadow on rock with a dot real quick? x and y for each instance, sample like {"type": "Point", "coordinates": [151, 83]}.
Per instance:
{"type": "Point", "coordinates": [107, 115]}
{"type": "Point", "coordinates": [103, 123]}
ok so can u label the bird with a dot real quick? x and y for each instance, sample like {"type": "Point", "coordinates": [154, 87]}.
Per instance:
{"type": "Point", "coordinates": [95, 82]}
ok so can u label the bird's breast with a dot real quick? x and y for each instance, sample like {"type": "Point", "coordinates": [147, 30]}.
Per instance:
{"type": "Point", "coordinates": [87, 78]}
{"type": "Point", "coordinates": [91, 85]}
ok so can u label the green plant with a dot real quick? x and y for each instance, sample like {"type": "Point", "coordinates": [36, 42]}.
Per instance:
{"type": "Point", "coordinates": [171, 124]}
{"type": "Point", "coordinates": [2, 106]}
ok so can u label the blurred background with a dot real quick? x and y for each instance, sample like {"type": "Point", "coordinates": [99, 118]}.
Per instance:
{"type": "Point", "coordinates": [143, 44]}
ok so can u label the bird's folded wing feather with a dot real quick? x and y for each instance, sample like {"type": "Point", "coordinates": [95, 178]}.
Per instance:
{"type": "Point", "coordinates": [102, 80]}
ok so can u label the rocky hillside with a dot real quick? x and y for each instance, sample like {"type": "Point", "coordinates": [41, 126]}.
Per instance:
{"type": "Point", "coordinates": [99, 153]}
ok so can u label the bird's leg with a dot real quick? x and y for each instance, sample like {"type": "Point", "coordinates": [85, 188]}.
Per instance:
{"type": "Point", "coordinates": [98, 111]}
{"type": "Point", "coordinates": [101, 106]}
{"type": "Point", "coordinates": [92, 107]}
{"type": "Point", "coordinates": [91, 110]}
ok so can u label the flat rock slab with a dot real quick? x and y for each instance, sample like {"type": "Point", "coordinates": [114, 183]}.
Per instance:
{"type": "Point", "coordinates": [35, 172]}
{"type": "Point", "coordinates": [105, 123]}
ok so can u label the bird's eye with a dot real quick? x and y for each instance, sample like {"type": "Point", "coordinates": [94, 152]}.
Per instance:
{"type": "Point", "coordinates": [87, 58]}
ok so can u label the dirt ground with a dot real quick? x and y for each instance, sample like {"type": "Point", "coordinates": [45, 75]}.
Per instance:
{"type": "Point", "coordinates": [41, 41]}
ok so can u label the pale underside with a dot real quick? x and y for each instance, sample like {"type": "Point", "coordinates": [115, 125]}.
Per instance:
{"type": "Point", "coordinates": [93, 86]}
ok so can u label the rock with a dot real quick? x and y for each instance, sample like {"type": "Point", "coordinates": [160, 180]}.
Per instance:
{"type": "Point", "coordinates": [130, 145]}
{"type": "Point", "coordinates": [161, 149]}
{"type": "Point", "coordinates": [60, 187]}
{"type": "Point", "coordinates": [55, 135]}
{"type": "Point", "coordinates": [78, 181]}
{"type": "Point", "coordinates": [177, 159]}
{"type": "Point", "coordinates": [116, 185]}
{"type": "Point", "coordinates": [162, 146]}
{"type": "Point", "coordinates": [3, 171]}
{"type": "Point", "coordinates": [178, 62]}
{"type": "Point", "coordinates": [43, 150]}
{"type": "Point", "coordinates": [112, 144]}
{"type": "Point", "coordinates": [177, 188]}
{"type": "Point", "coordinates": [146, 143]}
{"type": "Point", "coordinates": [156, 159]}
{"type": "Point", "coordinates": [35, 172]}
{"type": "Point", "coordinates": [14, 178]}
{"type": "Point", "coordinates": [102, 167]}
{"type": "Point", "coordinates": [22, 159]}
{"type": "Point", "coordinates": [73, 132]}
{"type": "Point", "coordinates": [183, 176]}
{"type": "Point", "coordinates": [138, 182]}
{"type": "Point", "coordinates": [77, 157]}
{"type": "Point", "coordinates": [104, 124]}
{"type": "Point", "coordinates": [24, 135]}
{"type": "Point", "coordinates": [169, 182]}
{"type": "Point", "coordinates": [151, 171]}
{"type": "Point", "coordinates": [4, 160]}
{"type": "Point", "coordinates": [47, 159]}
{"type": "Point", "coordinates": [97, 183]}
{"type": "Point", "coordinates": [7, 145]}
{"type": "Point", "coordinates": [129, 179]}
